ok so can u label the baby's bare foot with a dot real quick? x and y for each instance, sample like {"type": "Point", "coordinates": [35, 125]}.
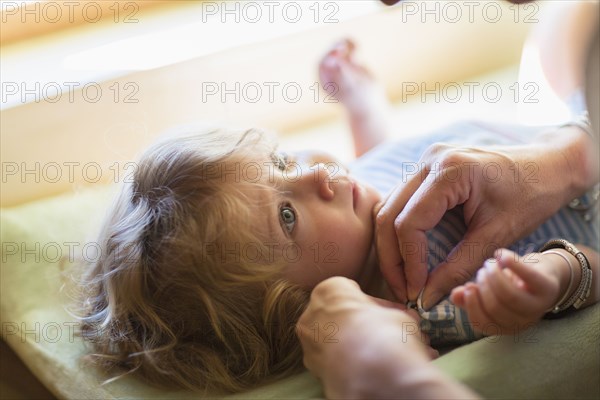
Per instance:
{"type": "Point", "coordinates": [353, 86]}
{"type": "Point", "coordinates": [345, 80]}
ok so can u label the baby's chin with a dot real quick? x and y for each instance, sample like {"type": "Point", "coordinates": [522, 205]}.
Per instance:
{"type": "Point", "coordinates": [372, 197]}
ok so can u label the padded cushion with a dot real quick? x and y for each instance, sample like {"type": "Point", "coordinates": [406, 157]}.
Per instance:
{"type": "Point", "coordinates": [555, 359]}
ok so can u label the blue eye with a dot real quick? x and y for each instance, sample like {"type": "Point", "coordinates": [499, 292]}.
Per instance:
{"type": "Point", "coordinates": [288, 217]}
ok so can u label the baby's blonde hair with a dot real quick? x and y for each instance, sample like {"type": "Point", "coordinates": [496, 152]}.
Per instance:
{"type": "Point", "coordinates": [161, 301]}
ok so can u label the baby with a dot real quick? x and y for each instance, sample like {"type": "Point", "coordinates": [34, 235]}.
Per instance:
{"type": "Point", "coordinates": [210, 252]}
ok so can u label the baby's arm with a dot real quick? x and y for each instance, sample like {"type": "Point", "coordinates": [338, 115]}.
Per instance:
{"type": "Point", "coordinates": [513, 292]}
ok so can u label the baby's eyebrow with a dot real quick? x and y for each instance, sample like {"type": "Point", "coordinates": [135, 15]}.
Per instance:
{"type": "Point", "coordinates": [279, 158]}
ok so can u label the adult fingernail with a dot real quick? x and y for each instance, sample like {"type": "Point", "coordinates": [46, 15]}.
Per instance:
{"type": "Point", "coordinates": [412, 295]}
{"type": "Point", "coordinates": [430, 299]}
{"type": "Point", "coordinates": [400, 294]}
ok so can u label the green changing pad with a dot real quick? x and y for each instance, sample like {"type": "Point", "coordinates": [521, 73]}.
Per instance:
{"type": "Point", "coordinates": [557, 359]}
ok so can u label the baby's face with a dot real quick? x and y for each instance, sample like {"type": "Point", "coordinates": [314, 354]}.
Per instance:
{"type": "Point", "coordinates": [320, 218]}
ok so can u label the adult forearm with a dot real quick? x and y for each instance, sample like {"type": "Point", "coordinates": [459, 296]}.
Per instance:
{"type": "Point", "coordinates": [417, 380]}
{"type": "Point", "coordinates": [430, 383]}
{"type": "Point", "coordinates": [567, 157]}
{"type": "Point", "coordinates": [586, 153]}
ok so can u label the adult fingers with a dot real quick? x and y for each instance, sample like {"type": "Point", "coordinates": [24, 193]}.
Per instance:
{"type": "Point", "coordinates": [423, 212]}
{"type": "Point", "coordinates": [336, 289]}
{"type": "Point", "coordinates": [329, 302]}
{"type": "Point", "coordinates": [396, 306]}
{"type": "Point", "coordinates": [459, 266]}
{"type": "Point", "coordinates": [388, 304]}
{"type": "Point", "coordinates": [388, 251]}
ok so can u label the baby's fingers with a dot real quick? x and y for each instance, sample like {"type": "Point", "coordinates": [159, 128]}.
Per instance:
{"type": "Point", "coordinates": [477, 315]}
{"type": "Point", "coordinates": [505, 317]}
{"type": "Point", "coordinates": [525, 268]}
{"type": "Point", "coordinates": [515, 299]}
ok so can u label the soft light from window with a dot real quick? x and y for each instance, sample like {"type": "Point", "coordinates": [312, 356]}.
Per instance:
{"type": "Point", "coordinates": [216, 28]}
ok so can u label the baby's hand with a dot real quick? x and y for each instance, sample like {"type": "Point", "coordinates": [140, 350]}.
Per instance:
{"type": "Point", "coordinates": [511, 293]}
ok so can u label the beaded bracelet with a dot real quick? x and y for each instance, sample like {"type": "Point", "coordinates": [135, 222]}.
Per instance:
{"type": "Point", "coordinates": [557, 306]}
{"type": "Point", "coordinates": [583, 290]}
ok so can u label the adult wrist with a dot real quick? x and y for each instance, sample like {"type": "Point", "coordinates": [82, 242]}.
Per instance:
{"type": "Point", "coordinates": [568, 156]}
{"type": "Point", "coordinates": [403, 372]}
{"type": "Point", "coordinates": [586, 178]}
{"type": "Point", "coordinates": [582, 153]}
{"type": "Point", "coordinates": [428, 382]}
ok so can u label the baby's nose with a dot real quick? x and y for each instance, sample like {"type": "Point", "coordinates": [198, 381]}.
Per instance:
{"type": "Point", "coordinates": [323, 181]}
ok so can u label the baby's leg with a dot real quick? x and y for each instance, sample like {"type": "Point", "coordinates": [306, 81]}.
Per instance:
{"type": "Point", "coordinates": [365, 101]}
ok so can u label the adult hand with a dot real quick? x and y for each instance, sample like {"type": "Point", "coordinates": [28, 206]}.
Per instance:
{"type": "Point", "coordinates": [506, 193]}
{"type": "Point", "coordinates": [358, 346]}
